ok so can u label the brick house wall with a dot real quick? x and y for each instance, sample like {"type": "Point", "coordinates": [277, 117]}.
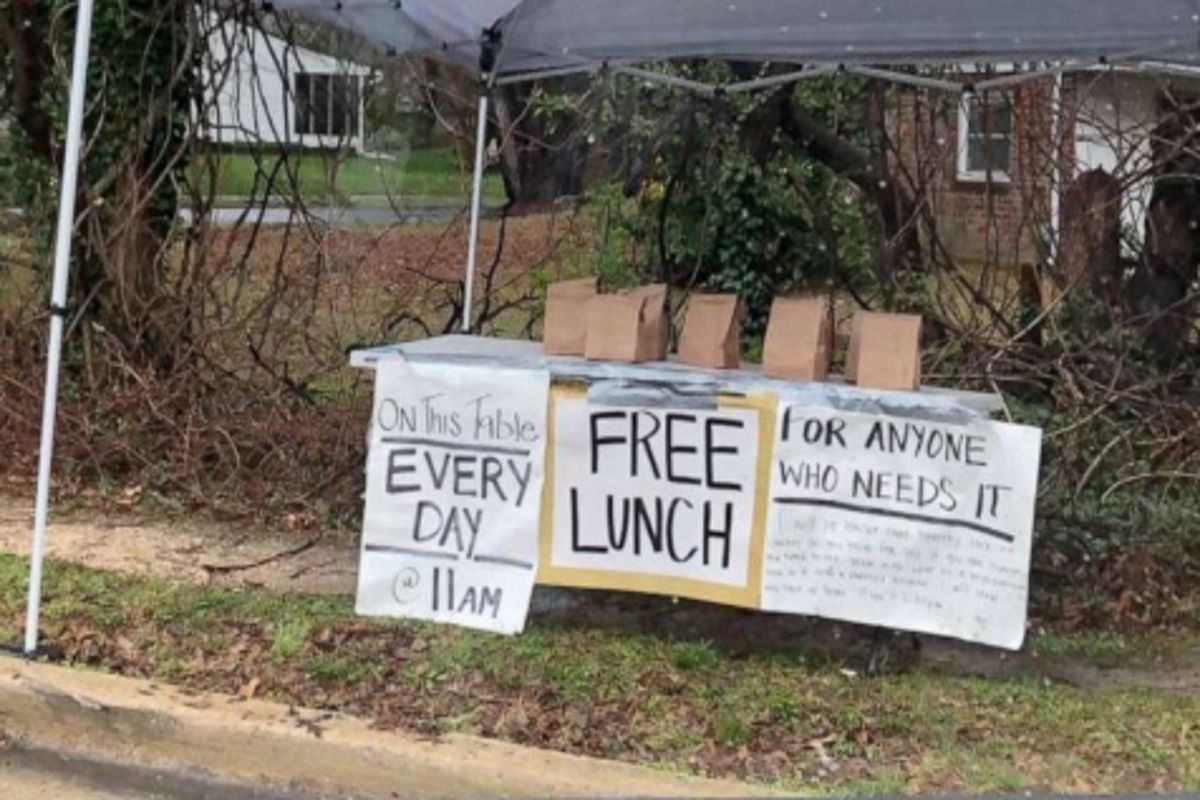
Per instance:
{"type": "Point", "coordinates": [1108, 122]}
{"type": "Point", "coordinates": [997, 223]}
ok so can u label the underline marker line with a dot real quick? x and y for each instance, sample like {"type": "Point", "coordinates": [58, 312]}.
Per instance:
{"type": "Point", "coordinates": [508, 562]}
{"type": "Point", "coordinates": [471, 448]}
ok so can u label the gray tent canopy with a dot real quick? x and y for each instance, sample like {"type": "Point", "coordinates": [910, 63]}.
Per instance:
{"type": "Point", "coordinates": [534, 35]}
{"type": "Point", "coordinates": [511, 40]}
{"type": "Point", "coordinates": [543, 33]}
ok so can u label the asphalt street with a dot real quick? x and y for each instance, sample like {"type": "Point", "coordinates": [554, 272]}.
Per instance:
{"type": "Point", "coordinates": [41, 774]}
{"type": "Point", "coordinates": [25, 778]}
{"type": "Point", "coordinates": [331, 215]}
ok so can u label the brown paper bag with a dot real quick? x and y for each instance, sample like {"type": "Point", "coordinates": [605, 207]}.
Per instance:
{"type": "Point", "coordinates": [564, 331]}
{"type": "Point", "coordinates": [799, 340]}
{"type": "Point", "coordinates": [712, 331]}
{"type": "Point", "coordinates": [614, 324]}
{"type": "Point", "coordinates": [888, 351]}
{"type": "Point", "coordinates": [655, 330]}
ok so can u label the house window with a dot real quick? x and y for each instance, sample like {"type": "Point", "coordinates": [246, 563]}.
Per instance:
{"type": "Point", "coordinates": [985, 137]}
{"type": "Point", "coordinates": [326, 104]}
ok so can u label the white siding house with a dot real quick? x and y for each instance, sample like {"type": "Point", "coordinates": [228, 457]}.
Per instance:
{"type": "Point", "coordinates": [263, 91]}
{"type": "Point", "coordinates": [1118, 112]}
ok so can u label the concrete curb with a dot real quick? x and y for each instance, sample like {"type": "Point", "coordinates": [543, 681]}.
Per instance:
{"type": "Point", "coordinates": [256, 743]}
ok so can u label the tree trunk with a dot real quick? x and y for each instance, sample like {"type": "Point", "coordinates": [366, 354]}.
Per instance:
{"type": "Point", "coordinates": [543, 157]}
{"type": "Point", "coordinates": [1090, 242]}
{"type": "Point", "coordinates": [146, 51]}
{"type": "Point", "coordinates": [900, 246]}
{"type": "Point", "coordinates": [1170, 257]}
{"type": "Point", "coordinates": [23, 34]}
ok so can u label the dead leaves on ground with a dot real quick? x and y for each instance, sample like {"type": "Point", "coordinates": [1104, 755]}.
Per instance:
{"type": "Point", "coordinates": [605, 693]}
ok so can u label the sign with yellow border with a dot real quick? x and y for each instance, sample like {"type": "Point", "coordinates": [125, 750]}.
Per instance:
{"type": "Point", "coordinates": [657, 500]}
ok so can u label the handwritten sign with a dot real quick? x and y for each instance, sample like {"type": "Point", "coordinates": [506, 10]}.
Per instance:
{"type": "Point", "coordinates": [654, 499]}
{"type": "Point", "coordinates": [454, 486]}
{"type": "Point", "coordinates": [904, 523]}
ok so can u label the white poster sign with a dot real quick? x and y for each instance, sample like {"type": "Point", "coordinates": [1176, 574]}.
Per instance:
{"type": "Point", "coordinates": [659, 492]}
{"type": "Point", "coordinates": [904, 523]}
{"type": "Point", "coordinates": [454, 487]}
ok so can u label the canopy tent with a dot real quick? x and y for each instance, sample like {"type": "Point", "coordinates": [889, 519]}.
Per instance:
{"type": "Point", "coordinates": [551, 34]}
{"type": "Point", "coordinates": [511, 40]}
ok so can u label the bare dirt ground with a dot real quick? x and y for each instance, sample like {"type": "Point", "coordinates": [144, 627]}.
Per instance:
{"type": "Point", "coordinates": [206, 553]}
{"type": "Point", "coordinates": [200, 553]}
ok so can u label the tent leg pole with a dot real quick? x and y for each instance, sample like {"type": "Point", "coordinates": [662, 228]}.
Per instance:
{"type": "Point", "coordinates": [58, 302]}
{"type": "Point", "coordinates": [1057, 173]}
{"type": "Point", "coordinates": [476, 199]}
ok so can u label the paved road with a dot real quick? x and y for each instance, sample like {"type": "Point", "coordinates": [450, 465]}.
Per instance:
{"type": "Point", "coordinates": [22, 778]}
{"type": "Point", "coordinates": [22, 784]}
{"type": "Point", "coordinates": [334, 215]}
{"type": "Point", "coordinates": [39, 774]}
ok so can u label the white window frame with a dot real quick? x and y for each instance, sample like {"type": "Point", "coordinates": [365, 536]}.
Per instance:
{"type": "Point", "coordinates": [965, 173]}
{"type": "Point", "coordinates": [353, 110]}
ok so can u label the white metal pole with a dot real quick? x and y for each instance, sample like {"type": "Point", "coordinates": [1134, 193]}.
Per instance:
{"type": "Point", "coordinates": [476, 196]}
{"type": "Point", "coordinates": [58, 302]}
{"type": "Point", "coordinates": [1057, 173]}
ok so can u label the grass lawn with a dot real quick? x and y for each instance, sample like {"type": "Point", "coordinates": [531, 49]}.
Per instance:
{"type": "Point", "coordinates": [421, 176]}
{"type": "Point", "coordinates": [784, 717]}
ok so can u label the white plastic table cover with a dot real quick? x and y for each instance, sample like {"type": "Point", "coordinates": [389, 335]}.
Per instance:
{"type": "Point", "coordinates": [665, 383]}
